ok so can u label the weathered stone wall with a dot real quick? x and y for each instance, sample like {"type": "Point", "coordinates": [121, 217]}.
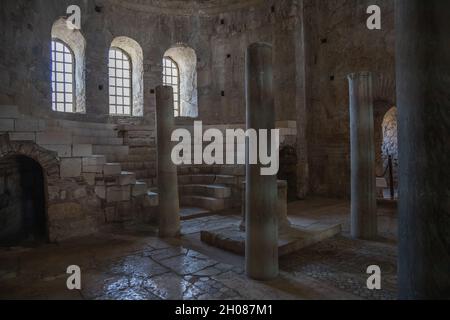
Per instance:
{"type": "Point", "coordinates": [316, 44]}
{"type": "Point", "coordinates": [219, 34]}
{"type": "Point", "coordinates": [338, 43]}
{"type": "Point", "coordinates": [219, 41]}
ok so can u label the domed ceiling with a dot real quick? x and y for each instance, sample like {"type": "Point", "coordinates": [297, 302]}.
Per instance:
{"type": "Point", "coordinates": [186, 7]}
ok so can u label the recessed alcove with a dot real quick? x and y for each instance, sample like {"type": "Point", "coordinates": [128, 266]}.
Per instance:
{"type": "Point", "coordinates": [22, 202]}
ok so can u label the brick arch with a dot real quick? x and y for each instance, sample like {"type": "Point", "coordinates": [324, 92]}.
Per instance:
{"type": "Point", "coordinates": [48, 160]}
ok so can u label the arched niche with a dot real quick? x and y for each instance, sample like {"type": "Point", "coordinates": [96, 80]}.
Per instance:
{"type": "Point", "coordinates": [389, 128]}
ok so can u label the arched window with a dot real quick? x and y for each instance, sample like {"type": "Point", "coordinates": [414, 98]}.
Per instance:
{"type": "Point", "coordinates": [171, 77]}
{"type": "Point", "coordinates": [120, 71]}
{"type": "Point", "coordinates": [68, 68]}
{"type": "Point", "coordinates": [63, 79]}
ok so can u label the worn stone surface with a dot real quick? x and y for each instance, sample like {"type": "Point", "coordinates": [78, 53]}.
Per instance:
{"type": "Point", "coordinates": [290, 239]}
{"type": "Point", "coordinates": [123, 265]}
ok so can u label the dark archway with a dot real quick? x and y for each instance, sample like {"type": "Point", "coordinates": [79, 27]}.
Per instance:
{"type": "Point", "coordinates": [22, 202]}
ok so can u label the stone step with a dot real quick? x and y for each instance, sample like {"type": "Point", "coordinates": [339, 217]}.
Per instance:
{"type": "Point", "coordinates": [90, 132]}
{"type": "Point", "coordinates": [93, 164]}
{"type": "Point", "coordinates": [189, 213]}
{"type": "Point", "coordinates": [142, 150]}
{"type": "Point", "coordinates": [118, 193]}
{"type": "Point", "coordinates": [67, 150]}
{"type": "Point", "coordinates": [207, 190]}
{"type": "Point", "coordinates": [208, 203]}
{"type": "Point", "coordinates": [69, 124]}
{"type": "Point", "coordinates": [133, 127]}
{"type": "Point", "coordinates": [112, 169]}
{"type": "Point", "coordinates": [110, 150]}
{"type": "Point", "coordinates": [207, 179]}
{"type": "Point", "coordinates": [97, 140]}
{"type": "Point", "coordinates": [153, 198]}
{"type": "Point", "coordinates": [127, 178]}
{"type": "Point", "coordinates": [117, 158]}
{"type": "Point", "coordinates": [140, 188]}
{"type": "Point", "coordinates": [226, 179]}
{"type": "Point", "coordinates": [138, 165]}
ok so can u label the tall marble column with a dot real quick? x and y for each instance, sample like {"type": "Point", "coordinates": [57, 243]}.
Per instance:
{"type": "Point", "coordinates": [363, 183]}
{"type": "Point", "coordinates": [423, 100]}
{"type": "Point", "coordinates": [261, 246]}
{"type": "Point", "coordinates": [169, 219]}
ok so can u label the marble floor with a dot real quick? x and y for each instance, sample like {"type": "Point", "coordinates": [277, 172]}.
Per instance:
{"type": "Point", "coordinates": [131, 263]}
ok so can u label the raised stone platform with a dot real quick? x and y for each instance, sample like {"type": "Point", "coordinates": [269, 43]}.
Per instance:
{"type": "Point", "coordinates": [291, 239]}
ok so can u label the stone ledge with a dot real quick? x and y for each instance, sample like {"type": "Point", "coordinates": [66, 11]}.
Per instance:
{"type": "Point", "coordinates": [290, 240]}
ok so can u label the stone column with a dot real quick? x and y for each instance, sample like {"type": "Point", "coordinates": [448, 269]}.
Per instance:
{"type": "Point", "coordinates": [169, 219]}
{"type": "Point", "coordinates": [261, 246]}
{"type": "Point", "coordinates": [282, 216]}
{"type": "Point", "coordinates": [363, 179]}
{"type": "Point", "coordinates": [423, 100]}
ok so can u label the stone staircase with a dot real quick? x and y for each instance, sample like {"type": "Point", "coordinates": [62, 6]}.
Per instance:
{"type": "Point", "coordinates": [93, 151]}
{"type": "Point", "coordinates": [206, 190]}
{"type": "Point", "coordinates": [119, 162]}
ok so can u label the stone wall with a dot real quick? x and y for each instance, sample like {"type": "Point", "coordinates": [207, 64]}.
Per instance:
{"type": "Point", "coordinates": [219, 41]}
{"type": "Point", "coordinates": [316, 44]}
{"type": "Point", "coordinates": [338, 43]}
{"type": "Point", "coordinates": [219, 34]}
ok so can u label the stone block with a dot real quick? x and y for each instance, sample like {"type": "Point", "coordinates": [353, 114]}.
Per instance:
{"type": "Point", "coordinates": [152, 199]}
{"type": "Point", "coordinates": [6, 125]}
{"type": "Point", "coordinates": [100, 191]}
{"type": "Point", "coordinates": [89, 177]}
{"type": "Point", "coordinates": [225, 179]}
{"type": "Point", "coordinates": [9, 112]}
{"type": "Point", "coordinates": [139, 189]}
{"type": "Point", "coordinates": [93, 164]}
{"type": "Point", "coordinates": [63, 211]}
{"type": "Point", "coordinates": [127, 178]}
{"type": "Point", "coordinates": [63, 150]}
{"type": "Point", "coordinates": [70, 167]}
{"type": "Point", "coordinates": [56, 137]}
{"type": "Point", "coordinates": [26, 125]}
{"type": "Point", "coordinates": [22, 136]}
{"type": "Point", "coordinates": [110, 214]}
{"type": "Point", "coordinates": [118, 193]}
{"type": "Point", "coordinates": [112, 169]}
{"type": "Point", "coordinates": [82, 150]}
{"type": "Point", "coordinates": [79, 193]}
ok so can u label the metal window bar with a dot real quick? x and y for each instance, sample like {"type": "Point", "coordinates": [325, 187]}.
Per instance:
{"type": "Point", "coordinates": [63, 77]}
{"type": "Point", "coordinates": [120, 82]}
{"type": "Point", "coordinates": [171, 77]}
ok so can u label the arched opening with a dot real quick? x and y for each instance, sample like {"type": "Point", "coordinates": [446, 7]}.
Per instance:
{"type": "Point", "coordinates": [185, 59]}
{"type": "Point", "coordinates": [389, 148]}
{"type": "Point", "coordinates": [22, 202]}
